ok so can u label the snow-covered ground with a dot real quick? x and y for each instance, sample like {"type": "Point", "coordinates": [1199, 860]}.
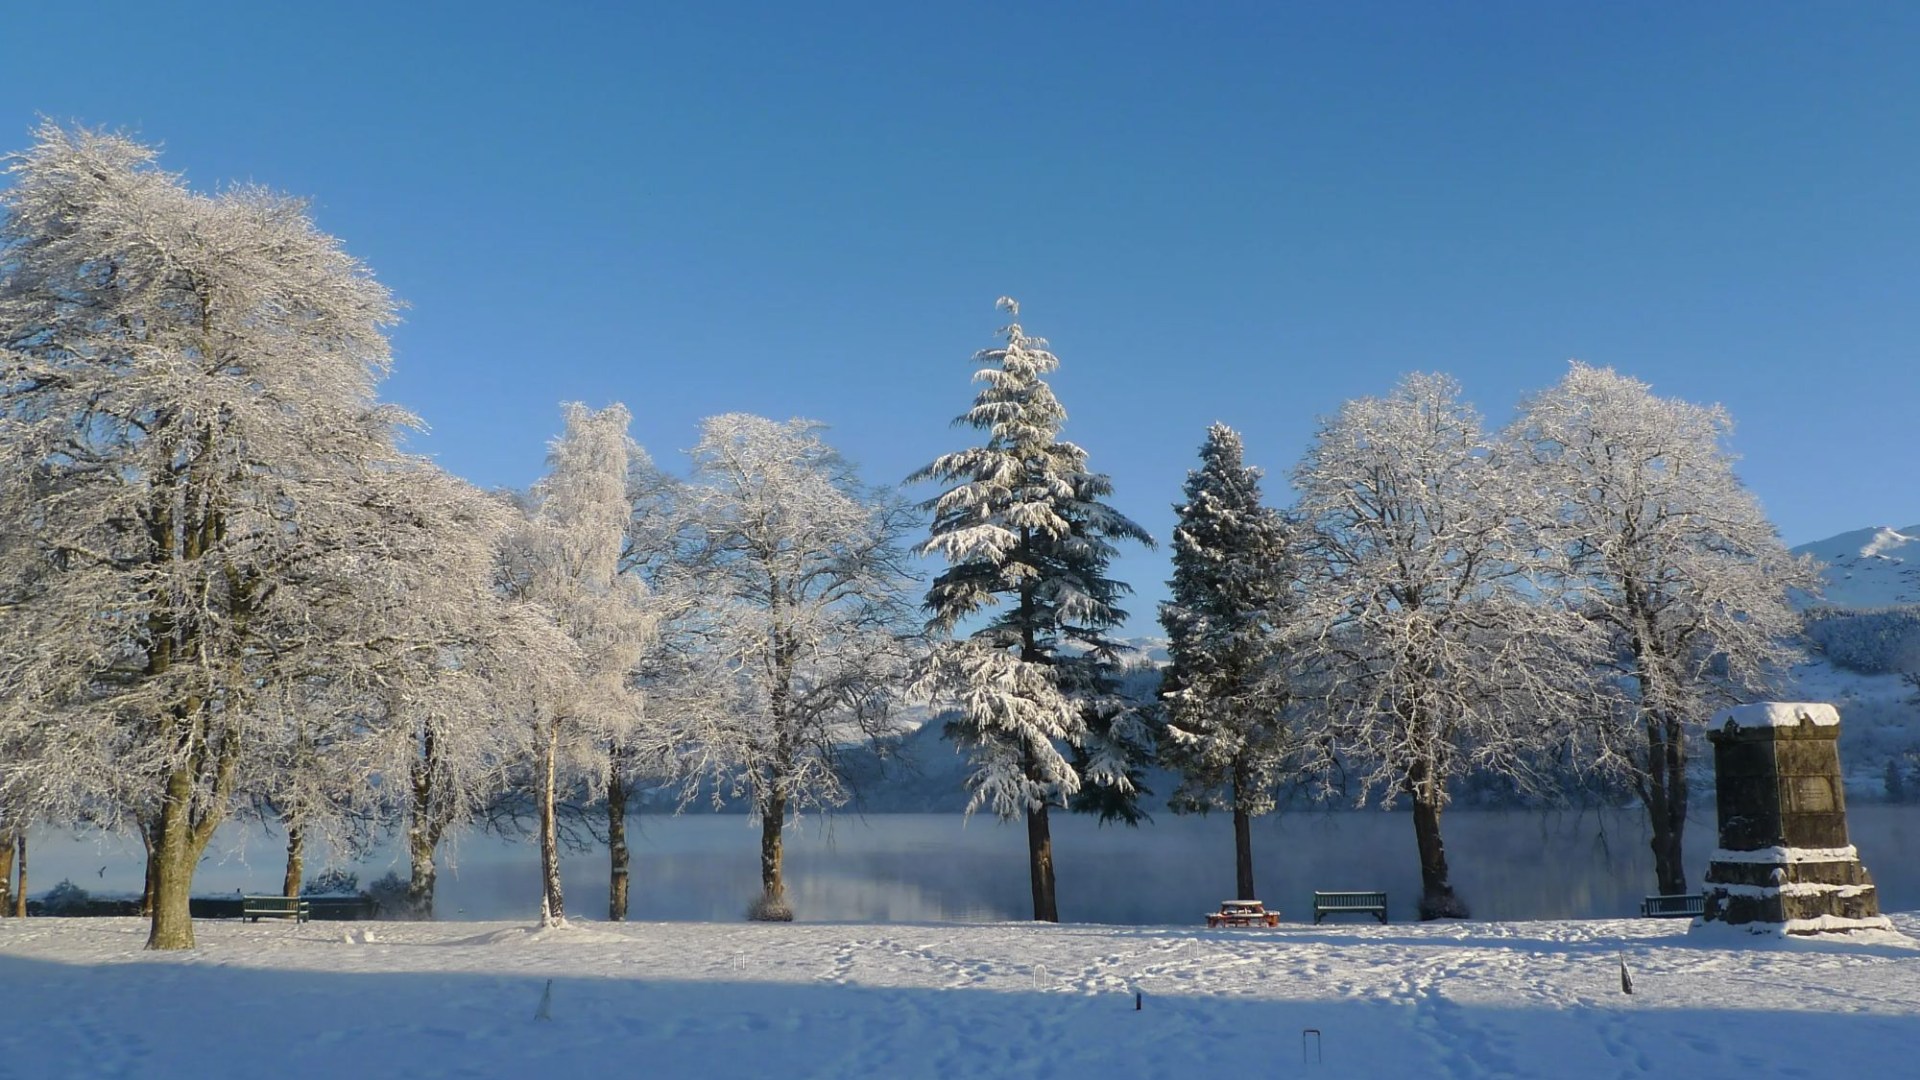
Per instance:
{"type": "Point", "coordinates": [709, 1000]}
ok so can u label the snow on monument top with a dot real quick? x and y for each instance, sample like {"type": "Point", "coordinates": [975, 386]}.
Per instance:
{"type": "Point", "coordinates": [1778, 714]}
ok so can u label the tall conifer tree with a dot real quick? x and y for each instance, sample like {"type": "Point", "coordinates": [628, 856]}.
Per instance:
{"type": "Point", "coordinates": [1028, 538]}
{"type": "Point", "coordinates": [1223, 691]}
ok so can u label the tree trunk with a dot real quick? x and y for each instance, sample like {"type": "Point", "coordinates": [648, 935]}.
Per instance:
{"type": "Point", "coordinates": [296, 860]}
{"type": "Point", "coordinates": [773, 883]}
{"type": "Point", "coordinates": [146, 885]}
{"type": "Point", "coordinates": [176, 853]}
{"type": "Point", "coordinates": [1040, 865]}
{"type": "Point", "coordinates": [7, 845]}
{"type": "Point", "coordinates": [421, 840]}
{"type": "Point", "coordinates": [423, 830]}
{"type": "Point", "coordinates": [1243, 855]}
{"type": "Point", "coordinates": [20, 864]}
{"type": "Point", "coordinates": [1666, 799]}
{"type": "Point", "coordinates": [617, 853]}
{"type": "Point", "coordinates": [1437, 898]}
{"type": "Point", "coordinates": [1428, 791]}
{"type": "Point", "coordinates": [553, 910]}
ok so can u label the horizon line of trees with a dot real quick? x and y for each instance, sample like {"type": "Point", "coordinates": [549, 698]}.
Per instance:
{"type": "Point", "coordinates": [225, 591]}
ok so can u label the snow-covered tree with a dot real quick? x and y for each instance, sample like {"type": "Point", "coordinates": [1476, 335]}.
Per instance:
{"type": "Point", "coordinates": [1225, 689]}
{"type": "Point", "coordinates": [568, 561]}
{"type": "Point", "coordinates": [666, 676]}
{"type": "Point", "coordinates": [429, 549]}
{"type": "Point", "coordinates": [454, 665]}
{"type": "Point", "coordinates": [1028, 538]}
{"type": "Point", "coordinates": [1672, 563]}
{"type": "Point", "coordinates": [805, 572]}
{"type": "Point", "coordinates": [190, 428]}
{"type": "Point", "coordinates": [1419, 636]}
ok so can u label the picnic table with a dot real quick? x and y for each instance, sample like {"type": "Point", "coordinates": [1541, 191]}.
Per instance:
{"type": "Point", "coordinates": [1243, 913]}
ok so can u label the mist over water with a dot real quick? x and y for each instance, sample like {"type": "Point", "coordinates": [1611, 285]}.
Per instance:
{"type": "Point", "coordinates": [942, 868]}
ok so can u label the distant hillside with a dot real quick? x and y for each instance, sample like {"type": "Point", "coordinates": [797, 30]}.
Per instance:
{"type": "Point", "coordinates": [1869, 568]}
{"type": "Point", "coordinates": [1859, 642]}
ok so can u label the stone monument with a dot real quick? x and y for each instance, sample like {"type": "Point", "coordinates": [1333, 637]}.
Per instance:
{"type": "Point", "coordinates": [1784, 864]}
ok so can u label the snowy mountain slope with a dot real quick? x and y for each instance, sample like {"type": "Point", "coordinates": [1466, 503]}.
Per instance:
{"type": "Point", "coordinates": [1869, 568]}
{"type": "Point", "coordinates": [1866, 569]}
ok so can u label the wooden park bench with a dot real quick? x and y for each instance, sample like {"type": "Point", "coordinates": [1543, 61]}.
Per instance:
{"type": "Point", "coordinates": [255, 908]}
{"type": "Point", "coordinates": [1243, 913]}
{"type": "Point", "coordinates": [1675, 906]}
{"type": "Point", "coordinates": [1350, 903]}
{"type": "Point", "coordinates": [341, 908]}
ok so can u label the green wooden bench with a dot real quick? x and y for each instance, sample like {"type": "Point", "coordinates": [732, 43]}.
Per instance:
{"type": "Point", "coordinates": [337, 908]}
{"type": "Point", "coordinates": [255, 908]}
{"type": "Point", "coordinates": [1350, 903]}
{"type": "Point", "coordinates": [1673, 906]}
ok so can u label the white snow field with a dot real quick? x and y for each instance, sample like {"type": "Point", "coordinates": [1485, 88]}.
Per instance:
{"type": "Point", "coordinates": [714, 1001]}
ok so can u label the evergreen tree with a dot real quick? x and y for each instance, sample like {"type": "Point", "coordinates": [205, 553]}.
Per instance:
{"type": "Point", "coordinates": [1223, 693]}
{"type": "Point", "coordinates": [1028, 539]}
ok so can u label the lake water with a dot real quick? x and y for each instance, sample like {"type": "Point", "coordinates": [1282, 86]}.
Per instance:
{"type": "Point", "coordinates": [942, 868]}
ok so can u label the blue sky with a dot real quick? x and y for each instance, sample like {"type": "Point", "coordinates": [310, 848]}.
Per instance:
{"type": "Point", "coordinates": [1246, 213]}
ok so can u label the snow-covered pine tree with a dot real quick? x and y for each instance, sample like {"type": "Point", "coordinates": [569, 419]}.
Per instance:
{"type": "Point", "coordinates": [1419, 640]}
{"type": "Point", "coordinates": [805, 570]}
{"type": "Point", "coordinates": [568, 561]}
{"type": "Point", "coordinates": [1225, 690]}
{"type": "Point", "coordinates": [1672, 563]}
{"type": "Point", "coordinates": [1028, 538]}
{"type": "Point", "coordinates": [190, 430]}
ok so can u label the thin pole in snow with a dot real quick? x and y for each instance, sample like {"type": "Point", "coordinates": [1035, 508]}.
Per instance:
{"type": "Point", "coordinates": [546, 1003]}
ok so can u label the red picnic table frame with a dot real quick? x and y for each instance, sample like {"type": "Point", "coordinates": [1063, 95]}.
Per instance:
{"type": "Point", "coordinates": [1243, 913]}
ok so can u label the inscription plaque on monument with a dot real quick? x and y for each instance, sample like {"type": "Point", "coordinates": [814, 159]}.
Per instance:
{"type": "Point", "coordinates": [1784, 861]}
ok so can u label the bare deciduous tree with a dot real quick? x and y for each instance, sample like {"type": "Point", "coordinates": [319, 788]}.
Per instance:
{"type": "Point", "coordinates": [191, 430]}
{"type": "Point", "coordinates": [804, 568]}
{"type": "Point", "coordinates": [1420, 637]}
{"type": "Point", "coordinates": [567, 560]}
{"type": "Point", "coordinates": [1673, 565]}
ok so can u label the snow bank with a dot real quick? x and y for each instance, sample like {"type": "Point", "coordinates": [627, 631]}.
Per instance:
{"type": "Point", "coordinates": [1778, 714]}
{"type": "Point", "coordinates": [919, 1002]}
{"type": "Point", "coordinates": [1786, 855]}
